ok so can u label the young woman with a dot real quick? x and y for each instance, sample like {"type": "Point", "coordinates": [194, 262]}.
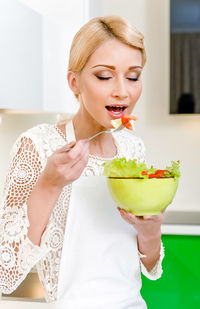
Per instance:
{"type": "Point", "coordinates": [56, 211]}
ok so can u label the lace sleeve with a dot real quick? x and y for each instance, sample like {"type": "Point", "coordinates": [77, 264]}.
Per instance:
{"type": "Point", "coordinates": [156, 271]}
{"type": "Point", "coordinates": [17, 253]}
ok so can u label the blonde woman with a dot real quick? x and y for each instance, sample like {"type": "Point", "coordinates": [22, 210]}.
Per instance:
{"type": "Point", "coordinates": [56, 210]}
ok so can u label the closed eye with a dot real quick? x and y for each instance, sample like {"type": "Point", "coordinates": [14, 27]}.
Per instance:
{"type": "Point", "coordinates": [103, 78]}
{"type": "Point", "coordinates": [133, 79]}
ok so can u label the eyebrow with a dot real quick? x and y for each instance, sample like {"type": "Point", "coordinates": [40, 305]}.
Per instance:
{"type": "Point", "coordinates": [113, 67]}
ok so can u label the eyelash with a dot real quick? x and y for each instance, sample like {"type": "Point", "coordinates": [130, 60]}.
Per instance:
{"type": "Point", "coordinates": [102, 78]}
{"type": "Point", "coordinates": [133, 79]}
{"type": "Point", "coordinates": [107, 78]}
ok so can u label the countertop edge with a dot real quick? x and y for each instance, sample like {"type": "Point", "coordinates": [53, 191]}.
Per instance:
{"type": "Point", "coordinates": [180, 229]}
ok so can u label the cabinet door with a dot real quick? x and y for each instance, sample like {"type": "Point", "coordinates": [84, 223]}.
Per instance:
{"type": "Point", "coordinates": [20, 57]}
{"type": "Point", "coordinates": [35, 39]}
{"type": "Point", "coordinates": [179, 287]}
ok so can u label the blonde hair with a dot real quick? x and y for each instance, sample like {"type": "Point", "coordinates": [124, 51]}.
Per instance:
{"type": "Point", "coordinates": [97, 31]}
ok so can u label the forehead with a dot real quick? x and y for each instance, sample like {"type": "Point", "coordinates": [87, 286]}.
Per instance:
{"type": "Point", "coordinates": [114, 52]}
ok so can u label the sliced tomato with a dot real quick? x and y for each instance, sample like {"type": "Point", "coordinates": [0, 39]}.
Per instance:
{"type": "Point", "coordinates": [161, 173]}
{"type": "Point", "coordinates": [144, 173]}
{"type": "Point", "coordinates": [158, 174]}
{"type": "Point", "coordinates": [152, 175]}
{"type": "Point", "coordinates": [128, 126]}
{"type": "Point", "coordinates": [126, 118]}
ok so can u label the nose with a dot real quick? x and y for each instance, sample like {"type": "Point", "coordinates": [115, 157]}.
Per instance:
{"type": "Point", "coordinates": [119, 89]}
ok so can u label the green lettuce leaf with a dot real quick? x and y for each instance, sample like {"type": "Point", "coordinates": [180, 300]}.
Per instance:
{"type": "Point", "coordinates": [174, 169]}
{"type": "Point", "coordinates": [121, 167]}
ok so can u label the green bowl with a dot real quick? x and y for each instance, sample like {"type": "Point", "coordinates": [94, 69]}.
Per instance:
{"type": "Point", "coordinates": [143, 196]}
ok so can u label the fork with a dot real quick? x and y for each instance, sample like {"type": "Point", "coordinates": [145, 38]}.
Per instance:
{"type": "Point", "coordinates": [95, 135]}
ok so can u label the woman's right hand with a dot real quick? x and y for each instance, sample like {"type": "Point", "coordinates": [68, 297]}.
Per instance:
{"type": "Point", "coordinates": [63, 167]}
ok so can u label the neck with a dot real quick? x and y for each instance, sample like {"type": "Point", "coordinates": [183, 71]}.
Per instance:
{"type": "Point", "coordinates": [85, 125]}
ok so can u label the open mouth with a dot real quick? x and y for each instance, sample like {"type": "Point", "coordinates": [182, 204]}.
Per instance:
{"type": "Point", "coordinates": [115, 109]}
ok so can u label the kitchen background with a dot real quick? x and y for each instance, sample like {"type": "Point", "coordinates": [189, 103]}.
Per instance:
{"type": "Point", "coordinates": [167, 137]}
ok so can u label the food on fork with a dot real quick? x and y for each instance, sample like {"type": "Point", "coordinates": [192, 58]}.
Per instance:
{"type": "Point", "coordinates": [126, 120]}
{"type": "Point", "coordinates": [116, 123]}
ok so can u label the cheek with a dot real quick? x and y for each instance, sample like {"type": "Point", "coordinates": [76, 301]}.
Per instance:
{"type": "Point", "coordinates": [91, 91]}
{"type": "Point", "coordinates": [136, 93]}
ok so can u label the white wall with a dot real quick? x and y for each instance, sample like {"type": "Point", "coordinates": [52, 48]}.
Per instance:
{"type": "Point", "coordinates": [167, 137]}
{"type": "Point", "coordinates": [56, 45]}
{"type": "Point", "coordinates": [60, 26]}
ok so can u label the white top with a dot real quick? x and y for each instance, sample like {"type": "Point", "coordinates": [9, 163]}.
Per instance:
{"type": "Point", "coordinates": [100, 265]}
{"type": "Point", "coordinates": [17, 253]}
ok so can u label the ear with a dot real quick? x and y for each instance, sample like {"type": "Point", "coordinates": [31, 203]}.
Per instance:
{"type": "Point", "coordinates": [73, 82]}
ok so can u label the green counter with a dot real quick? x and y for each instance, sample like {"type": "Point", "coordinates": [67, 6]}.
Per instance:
{"type": "Point", "coordinates": [179, 286]}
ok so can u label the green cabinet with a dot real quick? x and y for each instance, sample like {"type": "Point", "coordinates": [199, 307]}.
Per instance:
{"type": "Point", "coordinates": [179, 286]}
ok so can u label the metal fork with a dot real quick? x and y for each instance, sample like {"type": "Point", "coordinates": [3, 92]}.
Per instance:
{"type": "Point", "coordinates": [95, 135]}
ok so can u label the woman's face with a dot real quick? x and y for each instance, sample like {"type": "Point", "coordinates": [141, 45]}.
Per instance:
{"type": "Point", "coordinates": [110, 83]}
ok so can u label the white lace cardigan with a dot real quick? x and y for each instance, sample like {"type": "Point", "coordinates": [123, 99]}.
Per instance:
{"type": "Point", "coordinates": [17, 253]}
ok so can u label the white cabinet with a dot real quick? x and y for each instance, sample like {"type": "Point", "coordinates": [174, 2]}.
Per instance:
{"type": "Point", "coordinates": [35, 37]}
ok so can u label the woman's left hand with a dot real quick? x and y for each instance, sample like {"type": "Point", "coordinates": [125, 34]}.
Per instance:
{"type": "Point", "coordinates": [146, 226]}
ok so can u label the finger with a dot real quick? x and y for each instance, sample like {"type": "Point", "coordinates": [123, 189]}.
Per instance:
{"type": "Point", "coordinates": [125, 217]}
{"type": "Point", "coordinates": [78, 149]}
{"type": "Point", "coordinates": [77, 169]}
{"type": "Point", "coordinates": [154, 218]}
{"type": "Point", "coordinates": [70, 145]}
{"type": "Point", "coordinates": [71, 167]}
{"type": "Point", "coordinates": [147, 217]}
{"type": "Point", "coordinates": [139, 218]}
{"type": "Point", "coordinates": [73, 155]}
{"type": "Point", "coordinates": [128, 217]}
{"type": "Point", "coordinates": [83, 157]}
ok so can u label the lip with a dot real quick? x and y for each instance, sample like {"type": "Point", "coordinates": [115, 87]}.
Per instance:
{"type": "Point", "coordinates": [114, 115]}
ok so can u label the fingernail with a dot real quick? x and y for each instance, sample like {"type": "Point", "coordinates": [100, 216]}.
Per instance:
{"type": "Point", "coordinates": [71, 143]}
{"type": "Point", "coordinates": [146, 217]}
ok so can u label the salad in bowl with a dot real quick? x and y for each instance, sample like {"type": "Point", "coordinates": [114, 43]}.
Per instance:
{"type": "Point", "coordinates": [141, 190]}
